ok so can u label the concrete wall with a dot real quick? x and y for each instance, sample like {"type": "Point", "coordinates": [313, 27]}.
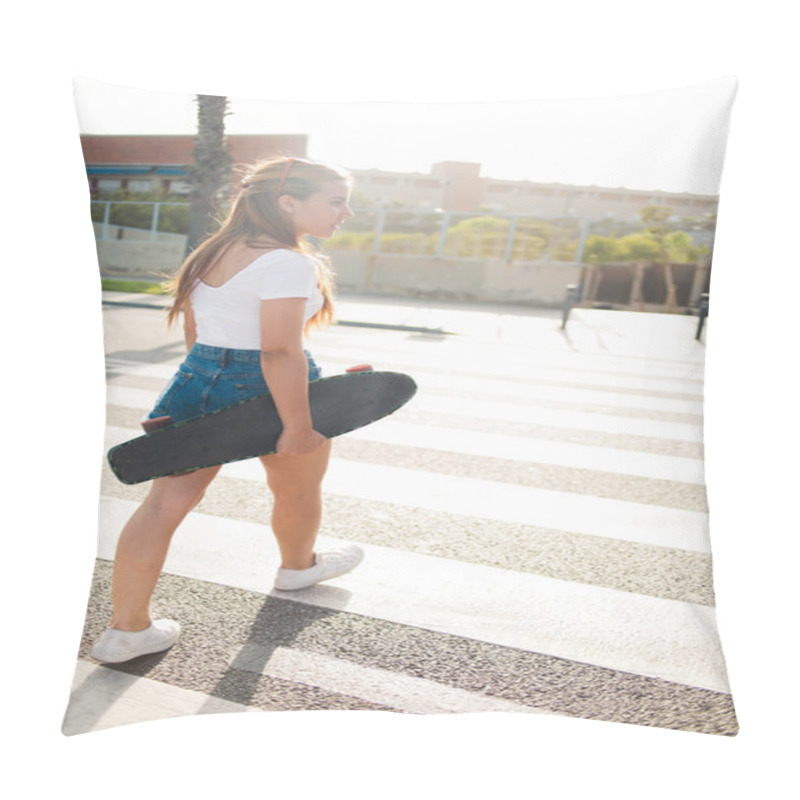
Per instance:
{"type": "Point", "coordinates": [484, 280]}
{"type": "Point", "coordinates": [140, 259]}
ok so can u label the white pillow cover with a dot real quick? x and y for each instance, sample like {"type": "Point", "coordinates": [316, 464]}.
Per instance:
{"type": "Point", "coordinates": [535, 521]}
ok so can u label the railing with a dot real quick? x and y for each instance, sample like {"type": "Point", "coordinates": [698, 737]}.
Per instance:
{"type": "Point", "coordinates": [137, 215]}
{"type": "Point", "coordinates": [436, 234]}
{"type": "Point", "coordinates": [447, 234]}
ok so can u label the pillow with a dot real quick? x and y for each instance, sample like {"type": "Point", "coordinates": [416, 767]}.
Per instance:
{"type": "Point", "coordinates": [535, 520]}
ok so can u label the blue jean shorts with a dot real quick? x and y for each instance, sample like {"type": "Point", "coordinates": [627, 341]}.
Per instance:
{"type": "Point", "coordinates": [214, 377]}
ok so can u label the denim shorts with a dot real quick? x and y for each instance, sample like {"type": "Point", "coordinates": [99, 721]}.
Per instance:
{"type": "Point", "coordinates": [214, 377]}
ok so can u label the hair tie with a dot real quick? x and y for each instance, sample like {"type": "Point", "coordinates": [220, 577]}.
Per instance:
{"type": "Point", "coordinates": [245, 184]}
{"type": "Point", "coordinates": [284, 175]}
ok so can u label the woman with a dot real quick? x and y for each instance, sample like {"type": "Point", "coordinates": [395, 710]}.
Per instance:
{"type": "Point", "coordinates": [247, 294]}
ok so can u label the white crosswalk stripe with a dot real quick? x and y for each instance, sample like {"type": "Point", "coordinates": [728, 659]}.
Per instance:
{"type": "Point", "coordinates": [414, 695]}
{"type": "Point", "coordinates": [494, 409]}
{"type": "Point", "coordinates": [105, 698]}
{"type": "Point", "coordinates": [621, 631]}
{"type": "Point", "coordinates": [388, 431]}
{"type": "Point", "coordinates": [645, 465]}
{"type": "Point", "coordinates": [591, 624]}
{"type": "Point", "coordinates": [488, 500]}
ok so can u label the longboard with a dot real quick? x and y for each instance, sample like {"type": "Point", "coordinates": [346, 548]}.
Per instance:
{"type": "Point", "coordinates": [250, 428]}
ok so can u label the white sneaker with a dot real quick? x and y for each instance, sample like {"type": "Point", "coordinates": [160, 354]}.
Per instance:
{"type": "Point", "coordinates": [326, 566]}
{"type": "Point", "coordinates": [115, 646]}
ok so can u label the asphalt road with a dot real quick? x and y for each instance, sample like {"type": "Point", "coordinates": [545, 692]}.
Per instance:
{"type": "Point", "coordinates": [535, 526]}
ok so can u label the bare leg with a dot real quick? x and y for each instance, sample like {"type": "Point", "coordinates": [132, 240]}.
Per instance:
{"type": "Point", "coordinates": [296, 484]}
{"type": "Point", "coordinates": [144, 542]}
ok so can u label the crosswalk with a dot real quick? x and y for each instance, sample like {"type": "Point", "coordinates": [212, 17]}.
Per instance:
{"type": "Point", "coordinates": [536, 539]}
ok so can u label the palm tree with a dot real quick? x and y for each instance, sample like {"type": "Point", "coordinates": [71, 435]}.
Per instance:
{"type": "Point", "coordinates": [209, 175]}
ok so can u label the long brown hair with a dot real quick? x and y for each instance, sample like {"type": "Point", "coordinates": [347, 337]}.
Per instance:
{"type": "Point", "coordinates": [255, 214]}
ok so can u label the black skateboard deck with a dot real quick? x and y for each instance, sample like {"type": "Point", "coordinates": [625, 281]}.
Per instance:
{"type": "Point", "coordinates": [251, 428]}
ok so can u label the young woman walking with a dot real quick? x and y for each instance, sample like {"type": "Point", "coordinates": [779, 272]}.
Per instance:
{"type": "Point", "coordinates": [248, 295]}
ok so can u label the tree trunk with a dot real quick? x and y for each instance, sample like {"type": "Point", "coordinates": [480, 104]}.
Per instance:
{"type": "Point", "coordinates": [671, 302]}
{"type": "Point", "coordinates": [209, 175]}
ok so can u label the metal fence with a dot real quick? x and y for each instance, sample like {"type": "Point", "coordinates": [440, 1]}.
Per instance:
{"type": "Point", "coordinates": [433, 233]}
{"type": "Point", "coordinates": [463, 235]}
{"type": "Point", "coordinates": [438, 234]}
{"type": "Point", "coordinates": [113, 219]}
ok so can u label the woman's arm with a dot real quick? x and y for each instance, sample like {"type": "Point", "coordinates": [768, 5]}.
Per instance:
{"type": "Point", "coordinates": [285, 368]}
{"type": "Point", "coordinates": [189, 327]}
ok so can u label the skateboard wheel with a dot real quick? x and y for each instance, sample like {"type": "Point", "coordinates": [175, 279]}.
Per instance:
{"type": "Point", "coordinates": [151, 425]}
{"type": "Point", "coordinates": [360, 368]}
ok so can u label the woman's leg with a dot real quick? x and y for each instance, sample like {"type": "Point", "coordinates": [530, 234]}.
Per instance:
{"type": "Point", "coordinates": [144, 542]}
{"type": "Point", "coordinates": [296, 485]}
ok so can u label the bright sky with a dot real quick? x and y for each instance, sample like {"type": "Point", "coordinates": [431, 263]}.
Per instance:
{"type": "Point", "coordinates": [671, 140]}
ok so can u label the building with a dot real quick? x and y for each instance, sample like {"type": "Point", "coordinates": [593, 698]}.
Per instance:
{"type": "Point", "coordinates": [432, 261]}
{"type": "Point", "coordinates": [459, 187]}
{"type": "Point", "coordinates": [161, 163]}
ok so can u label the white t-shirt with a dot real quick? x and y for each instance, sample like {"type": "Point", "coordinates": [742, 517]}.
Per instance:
{"type": "Point", "coordinates": [230, 315]}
